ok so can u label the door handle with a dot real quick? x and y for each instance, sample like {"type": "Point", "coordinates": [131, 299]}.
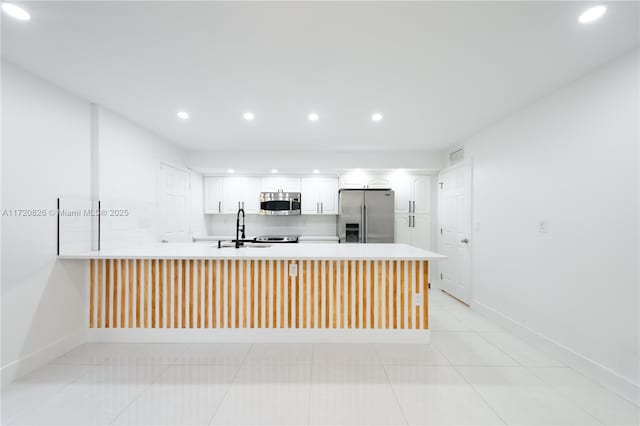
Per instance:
{"type": "Point", "coordinates": [409, 221]}
{"type": "Point", "coordinates": [362, 223]}
{"type": "Point", "coordinates": [219, 206]}
{"type": "Point", "coordinates": [318, 207]}
{"type": "Point", "coordinates": [414, 209]}
{"type": "Point", "coordinates": [409, 206]}
{"type": "Point", "coordinates": [465, 240]}
{"type": "Point", "coordinates": [321, 207]}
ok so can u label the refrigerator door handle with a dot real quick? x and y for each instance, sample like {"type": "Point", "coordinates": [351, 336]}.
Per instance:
{"type": "Point", "coordinates": [409, 206]}
{"type": "Point", "coordinates": [361, 230]}
{"type": "Point", "coordinates": [364, 223]}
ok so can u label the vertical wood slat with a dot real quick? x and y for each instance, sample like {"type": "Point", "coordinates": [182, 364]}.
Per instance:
{"type": "Point", "coordinates": [92, 291]}
{"type": "Point", "coordinates": [154, 293]}
{"type": "Point", "coordinates": [425, 294]}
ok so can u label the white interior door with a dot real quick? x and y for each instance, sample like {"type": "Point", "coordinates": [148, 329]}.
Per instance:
{"type": "Point", "coordinates": [173, 204]}
{"type": "Point", "coordinates": [455, 229]}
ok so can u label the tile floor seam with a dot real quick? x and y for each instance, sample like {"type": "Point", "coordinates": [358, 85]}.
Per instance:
{"type": "Point", "coordinates": [500, 350]}
{"type": "Point", "coordinates": [480, 395]}
{"type": "Point", "coordinates": [571, 401]}
{"type": "Point", "coordinates": [310, 384]}
{"type": "Point", "coordinates": [233, 380]}
{"type": "Point", "coordinates": [600, 385]}
{"type": "Point", "coordinates": [47, 398]}
{"type": "Point", "coordinates": [556, 388]}
{"type": "Point", "coordinates": [474, 389]}
{"type": "Point", "coordinates": [393, 391]}
{"type": "Point", "coordinates": [137, 397]}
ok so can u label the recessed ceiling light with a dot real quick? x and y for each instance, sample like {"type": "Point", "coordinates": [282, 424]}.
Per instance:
{"type": "Point", "coordinates": [248, 116]}
{"type": "Point", "coordinates": [314, 117]}
{"type": "Point", "coordinates": [274, 170]}
{"type": "Point", "coordinates": [592, 14]}
{"type": "Point", "coordinates": [183, 115]}
{"type": "Point", "coordinates": [316, 171]}
{"type": "Point", "coordinates": [376, 117]}
{"type": "Point", "coordinates": [16, 12]}
{"type": "Point", "coordinates": [230, 171]}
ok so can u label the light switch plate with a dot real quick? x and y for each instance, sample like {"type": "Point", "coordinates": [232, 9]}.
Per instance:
{"type": "Point", "coordinates": [417, 299]}
{"type": "Point", "coordinates": [543, 226]}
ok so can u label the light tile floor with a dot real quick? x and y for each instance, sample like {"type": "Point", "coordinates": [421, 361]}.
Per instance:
{"type": "Point", "coordinates": [473, 373]}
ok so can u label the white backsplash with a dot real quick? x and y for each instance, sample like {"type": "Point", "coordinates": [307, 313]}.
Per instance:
{"type": "Point", "coordinates": [306, 225]}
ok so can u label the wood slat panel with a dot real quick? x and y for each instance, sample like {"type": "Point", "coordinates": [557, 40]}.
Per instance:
{"type": "Point", "coordinates": [156, 293]}
{"type": "Point", "coordinates": [425, 292]}
{"type": "Point", "coordinates": [92, 291]}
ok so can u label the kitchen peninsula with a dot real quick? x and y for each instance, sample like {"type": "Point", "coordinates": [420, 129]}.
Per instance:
{"type": "Point", "coordinates": [318, 292]}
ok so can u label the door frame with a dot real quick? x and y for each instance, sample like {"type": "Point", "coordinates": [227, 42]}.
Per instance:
{"type": "Point", "coordinates": [159, 195]}
{"type": "Point", "coordinates": [465, 163]}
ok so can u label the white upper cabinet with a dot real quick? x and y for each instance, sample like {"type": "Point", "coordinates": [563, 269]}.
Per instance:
{"type": "Point", "coordinates": [280, 183]}
{"type": "Point", "coordinates": [378, 182]}
{"type": "Point", "coordinates": [353, 180]}
{"type": "Point", "coordinates": [412, 193]}
{"type": "Point", "coordinates": [319, 195]}
{"type": "Point", "coordinates": [240, 192]}
{"type": "Point", "coordinates": [358, 180]}
{"type": "Point", "coordinates": [400, 186]}
{"type": "Point", "coordinates": [212, 195]}
{"type": "Point", "coordinates": [420, 187]}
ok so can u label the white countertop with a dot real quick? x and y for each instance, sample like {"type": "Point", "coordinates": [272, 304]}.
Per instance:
{"type": "Point", "coordinates": [276, 251]}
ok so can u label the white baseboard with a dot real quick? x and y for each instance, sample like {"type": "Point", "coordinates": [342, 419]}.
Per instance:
{"type": "Point", "coordinates": [40, 357]}
{"type": "Point", "coordinates": [254, 335]}
{"type": "Point", "coordinates": [598, 372]}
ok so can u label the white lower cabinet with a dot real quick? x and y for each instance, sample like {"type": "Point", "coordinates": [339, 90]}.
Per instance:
{"type": "Point", "coordinates": [414, 230]}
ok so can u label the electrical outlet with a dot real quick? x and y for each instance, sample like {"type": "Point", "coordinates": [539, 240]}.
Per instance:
{"type": "Point", "coordinates": [417, 299]}
{"type": "Point", "coordinates": [293, 269]}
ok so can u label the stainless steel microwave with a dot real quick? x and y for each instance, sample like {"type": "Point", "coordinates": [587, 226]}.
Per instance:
{"type": "Point", "coordinates": [280, 203]}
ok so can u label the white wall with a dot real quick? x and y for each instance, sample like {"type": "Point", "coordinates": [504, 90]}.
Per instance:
{"type": "Point", "coordinates": [571, 159]}
{"type": "Point", "coordinates": [45, 155]}
{"type": "Point", "coordinates": [198, 225]}
{"type": "Point", "coordinates": [129, 164]}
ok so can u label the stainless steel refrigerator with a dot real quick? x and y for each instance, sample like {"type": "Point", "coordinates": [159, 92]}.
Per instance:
{"type": "Point", "coordinates": [366, 216]}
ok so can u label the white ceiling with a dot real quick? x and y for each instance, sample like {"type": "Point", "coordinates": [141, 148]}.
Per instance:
{"type": "Point", "coordinates": [437, 71]}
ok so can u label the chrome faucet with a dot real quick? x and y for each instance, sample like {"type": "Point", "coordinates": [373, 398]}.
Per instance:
{"type": "Point", "coordinates": [239, 228]}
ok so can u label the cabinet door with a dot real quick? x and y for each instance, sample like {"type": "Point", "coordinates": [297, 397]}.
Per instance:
{"type": "Point", "coordinates": [250, 189]}
{"type": "Point", "coordinates": [290, 184]}
{"type": "Point", "coordinates": [400, 186]}
{"type": "Point", "coordinates": [328, 195]}
{"type": "Point", "coordinates": [310, 195]}
{"type": "Point", "coordinates": [231, 194]}
{"type": "Point", "coordinates": [270, 183]}
{"type": "Point", "coordinates": [354, 180]}
{"type": "Point", "coordinates": [377, 182]}
{"type": "Point", "coordinates": [421, 189]}
{"type": "Point", "coordinates": [212, 195]}
{"type": "Point", "coordinates": [421, 231]}
{"type": "Point", "coordinates": [402, 231]}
